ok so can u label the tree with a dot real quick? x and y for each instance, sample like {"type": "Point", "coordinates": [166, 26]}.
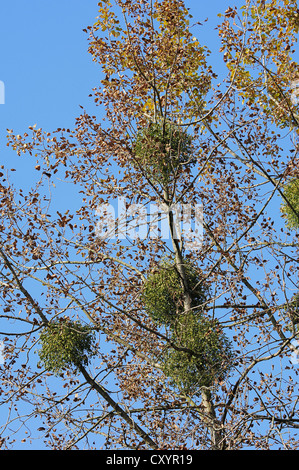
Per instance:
{"type": "Point", "coordinates": [290, 209]}
{"type": "Point", "coordinates": [164, 343]}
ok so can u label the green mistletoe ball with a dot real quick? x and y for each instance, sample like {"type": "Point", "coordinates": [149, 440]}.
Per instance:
{"type": "Point", "coordinates": [65, 344]}
{"type": "Point", "coordinates": [161, 149]}
{"type": "Point", "coordinates": [203, 358]}
{"type": "Point", "coordinates": [199, 354]}
{"type": "Point", "coordinates": [291, 191]}
{"type": "Point", "coordinates": [163, 294]}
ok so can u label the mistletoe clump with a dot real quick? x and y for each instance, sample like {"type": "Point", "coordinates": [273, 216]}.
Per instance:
{"type": "Point", "coordinates": [163, 294]}
{"type": "Point", "coordinates": [200, 355]}
{"type": "Point", "coordinates": [161, 149]}
{"type": "Point", "coordinates": [205, 357]}
{"type": "Point", "coordinates": [291, 191]}
{"type": "Point", "coordinates": [65, 344]}
{"type": "Point", "coordinates": [293, 310]}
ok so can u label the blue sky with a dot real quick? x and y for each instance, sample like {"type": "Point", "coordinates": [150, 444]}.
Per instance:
{"type": "Point", "coordinates": [47, 71]}
{"type": "Point", "coordinates": [45, 66]}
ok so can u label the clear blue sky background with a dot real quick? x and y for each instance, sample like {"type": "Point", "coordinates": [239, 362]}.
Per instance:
{"type": "Point", "coordinates": [45, 66]}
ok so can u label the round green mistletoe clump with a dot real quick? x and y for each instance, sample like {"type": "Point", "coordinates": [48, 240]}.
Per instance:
{"type": "Point", "coordinates": [65, 344]}
{"type": "Point", "coordinates": [200, 355]}
{"type": "Point", "coordinates": [161, 148]}
{"type": "Point", "coordinates": [291, 191]}
{"type": "Point", "coordinates": [293, 310]}
{"type": "Point", "coordinates": [163, 292]}
{"type": "Point", "coordinates": [209, 357]}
